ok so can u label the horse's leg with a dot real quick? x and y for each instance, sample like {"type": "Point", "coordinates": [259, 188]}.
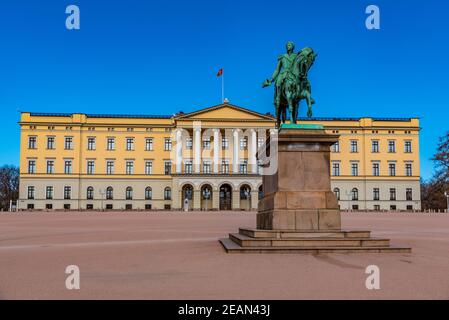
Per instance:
{"type": "Point", "coordinates": [278, 115]}
{"type": "Point", "coordinates": [296, 108]}
{"type": "Point", "coordinates": [309, 103]}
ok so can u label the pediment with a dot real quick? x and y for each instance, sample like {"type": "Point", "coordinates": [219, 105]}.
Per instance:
{"type": "Point", "coordinates": [225, 112]}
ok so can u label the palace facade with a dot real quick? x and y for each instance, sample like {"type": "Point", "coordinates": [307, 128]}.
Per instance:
{"type": "Point", "coordinates": [202, 160]}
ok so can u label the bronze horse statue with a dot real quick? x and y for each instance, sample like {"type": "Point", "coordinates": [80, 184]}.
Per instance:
{"type": "Point", "coordinates": [294, 87]}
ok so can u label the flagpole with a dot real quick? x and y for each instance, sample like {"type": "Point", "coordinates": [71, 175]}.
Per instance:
{"type": "Point", "coordinates": [222, 87]}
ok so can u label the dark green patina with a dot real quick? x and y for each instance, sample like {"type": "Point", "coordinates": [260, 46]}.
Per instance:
{"type": "Point", "coordinates": [291, 83]}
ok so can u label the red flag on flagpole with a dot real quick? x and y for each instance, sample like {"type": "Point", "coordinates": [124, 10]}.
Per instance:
{"type": "Point", "coordinates": [220, 72]}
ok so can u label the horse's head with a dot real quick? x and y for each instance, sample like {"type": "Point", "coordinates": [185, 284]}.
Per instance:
{"type": "Point", "coordinates": [306, 59]}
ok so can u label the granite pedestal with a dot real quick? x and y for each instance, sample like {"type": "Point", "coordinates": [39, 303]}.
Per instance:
{"type": "Point", "coordinates": [298, 211]}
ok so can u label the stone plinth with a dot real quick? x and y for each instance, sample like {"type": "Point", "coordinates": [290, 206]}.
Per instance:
{"type": "Point", "coordinates": [299, 196]}
{"type": "Point", "coordinates": [298, 211]}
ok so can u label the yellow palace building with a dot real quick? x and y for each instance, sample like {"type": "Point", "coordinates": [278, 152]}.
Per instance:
{"type": "Point", "coordinates": [201, 160]}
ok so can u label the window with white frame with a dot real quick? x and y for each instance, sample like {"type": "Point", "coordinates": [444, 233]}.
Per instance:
{"type": "Point", "coordinates": [110, 144]}
{"type": "Point", "coordinates": [68, 145]}
{"type": "Point", "coordinates": [167, 167]}
{"type": "Point", "coordinates": [188, 166]}
{"type": "Point", "coordinates": [336, 168]}
{"type": "Point", "coordinates": [30, 192]}
{"type": "Point", "coordinates": [206, 167]}
{"type": "Point", "coordinates": [67, 192]}
{"type": "Point", "coordinates": [167, 144]}
{"type": "Point", "coordinates": [225, 166]}
{"type": "Point", "coordinates": [49, 192]}
{"type": "Point", "coordinates": [90, 167]}
{"type": "Point", "coordinates": [243, 166]}
{"type": "Point", "coordinates": [407, 146]}
{"type": "Point", "coordinates": [244, 143]}
{"type": "Point", "coordinates": [354, 146]}
{"type": "Point", "coordinates": [148, 167]}
{"type": "Point", "coordinates": [32, 142]}
{"type": "Point", "coordinates": [391, 146]}
{"type": "Point", "coordinates": [206, 143]}
{"type": "Point", "coordinates": [50, 143]}
{"type": "Point", "coordinates": [167, 193]}
{"type": "Point", "coordinates": [129, 167]}
{"type": "Point", "coordinates": [148, 193]}
{"type": "Point", "coordinates": [148, 144]}
{"type": "Point", "coordinates": [109, 167]}
{"type": "Point", "coordinates": [409, 194]}
{"type": "Point", "coordinates": [31, 166]}
{"type": "Point", "coordinates": [91, 143]}
{"type": "Point", "coordinates": [392, 169]}
{"type": "Point", "coordinates": [90, 193]}
{"type": "Point", "coordinates": [224, 143]}
{"type": "Point", "coordinates": [67, 166]}
{"type": "Point", "coordinates": [392, 194]}
{"type": "Point", "coordinates": [189, 143]}
{"type": "Point", "coordinates": [129, 144]}
{"type": "Point", "coordinates": [375, 146]}
{"type": "Point", "coordinates": [376, 169]}
{"type": "Point", "coordinates": [50, 166]}
{"type": "Point", "coordinates": [376, 194]}
{"type": "Point", "coordinates": [354, 168]}
{"type": "Point", "coordinates": [260, 142]}
{"type": "Point", "coordinates": [408, 169]}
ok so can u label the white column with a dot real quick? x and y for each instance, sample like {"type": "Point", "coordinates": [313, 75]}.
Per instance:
{"type": "Point", "coordinates": [197, 155]}
{"type": "Point", "coordinates": [216, 150]}
{"type": "Point", "coordinates": [253, 160]}
{"type": "Point", "coordinates": [235, 154]}
{"type": "Point", "coordinates": [178, 151]}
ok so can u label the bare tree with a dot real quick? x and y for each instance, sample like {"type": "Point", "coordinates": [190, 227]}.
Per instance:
{"type": "Point", "coordinates": [9, 185]}
{"type": "Point", "coordinates": [441, 159]}
{"type": "Point", "coordinates": [432, 192]}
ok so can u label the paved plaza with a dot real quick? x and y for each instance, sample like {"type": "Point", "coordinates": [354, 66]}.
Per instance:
{"type": "Point", "coordinates": [174, 255]}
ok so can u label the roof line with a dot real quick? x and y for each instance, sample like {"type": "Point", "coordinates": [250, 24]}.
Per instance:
{"type": "Point", "coordinates": [153, 116]}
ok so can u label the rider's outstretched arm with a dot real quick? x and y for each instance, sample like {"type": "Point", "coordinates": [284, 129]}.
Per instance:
{"type": "Point", "coordinates": [277, 70]}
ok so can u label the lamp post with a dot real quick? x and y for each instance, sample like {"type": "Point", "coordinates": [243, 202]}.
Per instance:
{"type": "Point", "coordinates": [246, 191]}
{"type": "Point", "coordinates": [348, 193]}
{"type": "Point", "coordinates": [206, 195]}
{"type": "Point", "coordinates": [101, 199]}
{"type": "Point", "coordinates": [447, 199]}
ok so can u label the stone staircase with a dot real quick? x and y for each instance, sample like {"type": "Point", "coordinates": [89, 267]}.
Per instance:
{"type": "Point", "coordinates": [293, 241]}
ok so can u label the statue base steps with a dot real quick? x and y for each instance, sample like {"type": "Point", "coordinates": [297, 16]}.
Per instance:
{"type": "Point", "coordinates": [294, 241]}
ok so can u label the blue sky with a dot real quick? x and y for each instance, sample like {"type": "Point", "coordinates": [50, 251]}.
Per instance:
{"type": "Point", "coordinates": [161, 57]}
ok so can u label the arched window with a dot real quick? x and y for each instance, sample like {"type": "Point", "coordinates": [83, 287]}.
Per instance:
{"type": "Point", "coordinates": [129, 193]}
{"type": "Point", "coordinates": [90, 193]}
{"type": "Point", "coordinates": [337, 193]}
{"type": "Point", "coordinates": [245, 192]}
{"type": "Point", "coordinates": [167, 193]}
{"type": "Point", "coordinates": [109, 193]}
{"type": "Point", "coordinates": [148, 193]}
{"type": "Point", "coordinates": [355, 194]}
{"type": "Point", "coordinates": [260, 194]}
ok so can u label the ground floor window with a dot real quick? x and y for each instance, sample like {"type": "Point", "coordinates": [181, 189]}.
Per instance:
{"type": "Point", "coordinates": [66, 206]}
{"type": "Point", "coordinates": [355, 207]}
{"type": "Point", "coordinates": [90, 207]}
{"type": "Point", "coordinates": [109, 207]}
{"type": "Point", "coordinates": [377, 207]}
{"type": "Point", "coordinates": [30, 206]}
{"type": "Point", "coordinates": [409, 207]}
{"type": "Point", "coordinates": [48, 206]}
{"type": "Point", "coordinates": [148, 207]}
{"type": "Point", "coordinates": [167, 206]}
{"type": "Point", "coordinates": [128, 206]}
{"type": "Point", "coordinates": [393, 207]}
